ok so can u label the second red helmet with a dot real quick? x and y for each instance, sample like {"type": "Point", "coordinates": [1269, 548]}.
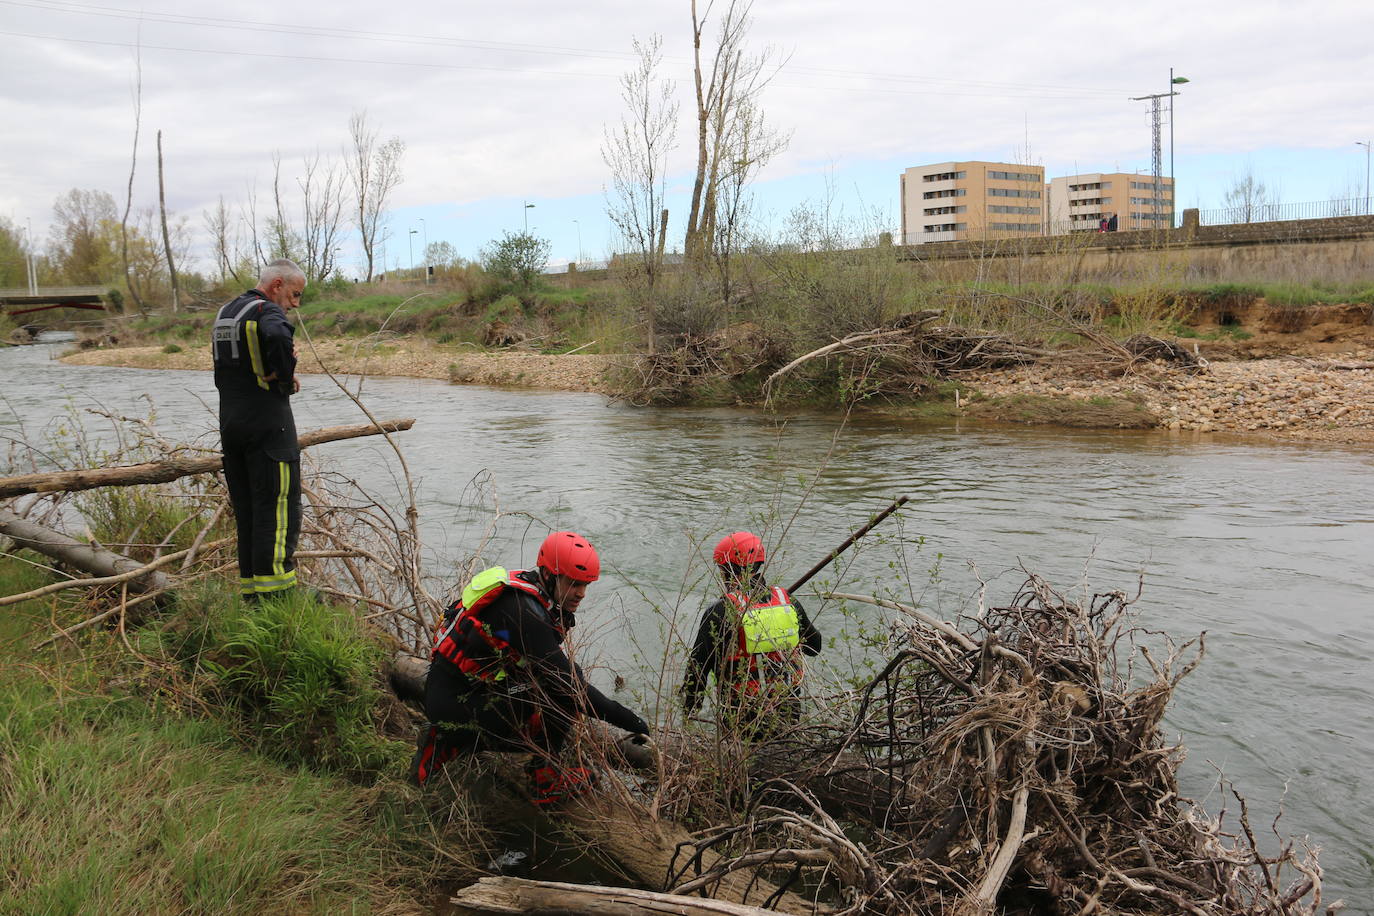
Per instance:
{"type": "Point", "coordinates": [566, 553]}
{"type": "Point", "coordinates": [740, 549]}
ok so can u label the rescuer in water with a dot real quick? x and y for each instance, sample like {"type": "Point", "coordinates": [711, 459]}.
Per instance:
{"type": "Point", "coordinates": [752, 640]}
{"type": "Point", "coordinates": [499, 679]}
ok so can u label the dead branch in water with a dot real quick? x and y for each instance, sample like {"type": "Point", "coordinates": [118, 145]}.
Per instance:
{"type": "Point", "coordinates": [169, 469]}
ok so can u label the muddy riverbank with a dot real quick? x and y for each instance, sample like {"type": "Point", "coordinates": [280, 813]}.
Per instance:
{"type": "Point", "coordinates": [1326, 397]}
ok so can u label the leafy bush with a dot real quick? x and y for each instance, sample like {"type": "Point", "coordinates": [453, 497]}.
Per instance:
{"type": "Point", "coordinates": [517, 258]}
{"type": "Point", "coordinates": [303, 675]}
{"type": "Point", "coordinates": [171, 348]}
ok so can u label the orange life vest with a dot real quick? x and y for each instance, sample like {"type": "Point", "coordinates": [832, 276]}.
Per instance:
{"type": "Point", "coordinates": [469, 642]}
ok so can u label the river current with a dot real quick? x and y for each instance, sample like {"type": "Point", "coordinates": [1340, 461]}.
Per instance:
{"type": "Point", "coordinates": [1267, 546]}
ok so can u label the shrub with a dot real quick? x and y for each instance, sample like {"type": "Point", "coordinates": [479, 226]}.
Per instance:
{"type": "Point", "coordinates": [302, 675]}
{"type": "Point", "coordinates": [171, 348]}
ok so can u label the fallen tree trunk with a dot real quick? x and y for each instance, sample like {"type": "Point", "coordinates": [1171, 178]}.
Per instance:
{"type": "Point", "coordinates": [87, 557]}
{"type": "Point", "coordinates": [517, 895]}
{"type": "Point", "coordinates": [645, 846]}
{"type": "Point", "coordinates": [171, 468]}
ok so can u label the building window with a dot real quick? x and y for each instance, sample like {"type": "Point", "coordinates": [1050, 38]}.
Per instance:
{"type": "Point", "coordinates": [1027, 211]}
{"type": "Point", "coordinates": [944, 176]}
{"type": "Point", "coordinates": [1015, 227]}
{"type": "Point", "coordinates": [952, 192]}
{"type": "Point", "coordinates": [1013, 176]}
{"type": "Point", "coordinates": [947, 227]}
{"type": "Point", "coordinates": [1012, 192]}
{"type": "Point", "coordinates": [1149, 186]}
{"type": "Point", "coordinates": [1163, 201]}
{"type": "Point", "coordinates": [936, 211]}
{"type": "Point", "coordinates": [1153, 217]}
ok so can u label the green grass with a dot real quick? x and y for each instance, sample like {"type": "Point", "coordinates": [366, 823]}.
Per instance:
{"type": "Point", "coordinates": [124, 788]}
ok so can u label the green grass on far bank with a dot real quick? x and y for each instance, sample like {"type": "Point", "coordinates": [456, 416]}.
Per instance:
{"type": "Point", "coordinates": [150, 784]}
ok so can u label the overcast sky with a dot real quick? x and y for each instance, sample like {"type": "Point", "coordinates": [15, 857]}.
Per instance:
{"type": "Point", "coordinates": [504, 104]}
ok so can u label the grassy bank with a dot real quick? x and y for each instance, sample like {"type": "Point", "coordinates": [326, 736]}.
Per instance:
{"type": "Point", "coordinates": [221, 761]}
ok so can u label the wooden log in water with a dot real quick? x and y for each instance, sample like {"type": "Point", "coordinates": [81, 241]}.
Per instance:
{"type": "Point", "coordinates": [170, 468]}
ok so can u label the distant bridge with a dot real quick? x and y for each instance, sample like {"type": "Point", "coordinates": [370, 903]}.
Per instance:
{"type": "Point", "coordinates": [23, 301]}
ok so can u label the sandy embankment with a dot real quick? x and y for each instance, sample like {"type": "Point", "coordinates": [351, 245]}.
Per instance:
{"type": "Point", "coordinates": [1296, 398]}
{"type": "Point", "coordinates": [404, 357]}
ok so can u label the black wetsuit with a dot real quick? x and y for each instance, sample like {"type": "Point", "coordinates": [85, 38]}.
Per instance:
{"type": "Point", "coordinates": [254, 371]}
{"type": "Point", "coordinates": [716, 635]}
{"type": "Point", "coordinates": [530, 709]}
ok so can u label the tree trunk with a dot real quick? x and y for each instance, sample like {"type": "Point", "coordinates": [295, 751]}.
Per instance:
{"type": "Point", "coordinates": [171, 468]}
{"type": "Point", "coordinates": [166, 237]}
{"type": "Point", "coordinates": [87, 557]}
{"type": "Point", "coordinates": [547, 898]}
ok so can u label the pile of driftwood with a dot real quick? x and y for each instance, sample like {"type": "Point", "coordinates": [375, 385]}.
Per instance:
{"type": "Point", "coordinates": [904, 357]}
{"type": "Point", "coordinates": [1018, 765]}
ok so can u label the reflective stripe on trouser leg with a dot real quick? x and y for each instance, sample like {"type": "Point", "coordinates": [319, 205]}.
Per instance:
{"type": "Point", "coordinates": [276, 525]}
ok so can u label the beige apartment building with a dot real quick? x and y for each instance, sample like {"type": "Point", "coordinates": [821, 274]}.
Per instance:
{"type": "Point", "coordinates": [951, 201]}
{"type": "Point", "coordinates": [1079, 203]}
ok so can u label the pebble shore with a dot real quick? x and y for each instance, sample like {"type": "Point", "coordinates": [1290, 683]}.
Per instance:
{"type": "Point", "coordinates": [1322, 399]}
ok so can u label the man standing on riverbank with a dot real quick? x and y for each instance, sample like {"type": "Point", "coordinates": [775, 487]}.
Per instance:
{"type": "Point", "coordinates": [255, 372]}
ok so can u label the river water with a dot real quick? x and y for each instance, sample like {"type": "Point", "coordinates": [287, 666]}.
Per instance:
{"type": "Point", "coordinates": [1266, 546]}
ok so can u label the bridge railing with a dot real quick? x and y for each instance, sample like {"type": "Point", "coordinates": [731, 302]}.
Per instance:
{"type": "Point", "coordinates": [23, 292]}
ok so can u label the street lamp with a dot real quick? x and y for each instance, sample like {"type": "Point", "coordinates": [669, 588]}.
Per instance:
{"type": "Point", "coordinates": [1365, 144]}
{"type": "Point", "coordinates": [410, 242]}
{"type": "Point", "coordinates": [1173, 182]}
{"type": "Point", "coordinates": [579, 243]}
{"type": "Point", "coordinates": [528, 207]}
{"type": "Point", "coordinates": [424, 255]}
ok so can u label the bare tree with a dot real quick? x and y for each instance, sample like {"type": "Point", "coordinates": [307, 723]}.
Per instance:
{"type": "Point", "coordinates": [284, 240]}
{"type": "Point", "coordinates": [636, 152]}
{"type": "Point", "coordinates": [322, 189]}
{"type": "Point", "coordinates": [225, 237]}
{"type": "Point", "coordinates": [728, 118]}
{"type": "Point", "coordinates": [747, 144]}
{"type": "Point", "coordinates": [166, 236]}
{"type": "Point", "coordinates": [1248, 198]}
{"type": "Point", "coordinates": [375, 171]}
{"type": "Point", "coordinates": [81, 236]}
{"type": "Point", "coordinates": [129, 191]}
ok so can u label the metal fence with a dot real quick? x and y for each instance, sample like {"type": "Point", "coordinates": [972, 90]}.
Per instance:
{"type": "Point", "coordinates": [1260, 212]}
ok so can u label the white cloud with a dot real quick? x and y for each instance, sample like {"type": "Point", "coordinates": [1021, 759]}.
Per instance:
{"type": "Point", "coordinates": [509, 101]}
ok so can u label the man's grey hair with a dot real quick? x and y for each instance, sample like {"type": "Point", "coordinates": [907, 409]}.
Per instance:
{"type": "Point", "coordinates": [281, 267]}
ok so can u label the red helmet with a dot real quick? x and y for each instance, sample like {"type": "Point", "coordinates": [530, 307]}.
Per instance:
{"type": "Point", "coordinates": [740, 549]}
{"type": "Point", "coordinates": [565, 553]}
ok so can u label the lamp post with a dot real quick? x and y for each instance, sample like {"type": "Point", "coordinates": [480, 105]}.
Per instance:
{"type": "Point", "coordinates": [424, 255]}
{"type": "Point", "coordinates": [579, 242]}
{"type": "Point", "coordinates": [528, 207]}
{"type": "Point", "coordinates": [28, 260]}
{"type": "Point", "coordinates": [1365, 144]}
{"type": "Point", "coordinates": [1173, 182]}
{"type": "Point", "coordinates": [410, 242]}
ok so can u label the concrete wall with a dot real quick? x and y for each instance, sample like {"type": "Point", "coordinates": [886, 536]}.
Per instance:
{"type": "Point", "coordinates": [1337, 250]}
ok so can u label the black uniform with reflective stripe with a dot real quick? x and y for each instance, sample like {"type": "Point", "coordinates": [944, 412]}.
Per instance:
{"type": "Point", "coordinates": [254, 371]}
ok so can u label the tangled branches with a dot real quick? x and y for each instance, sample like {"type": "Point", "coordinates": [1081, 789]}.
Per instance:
{"type": "Point", "coordinates": [1021, 766]}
